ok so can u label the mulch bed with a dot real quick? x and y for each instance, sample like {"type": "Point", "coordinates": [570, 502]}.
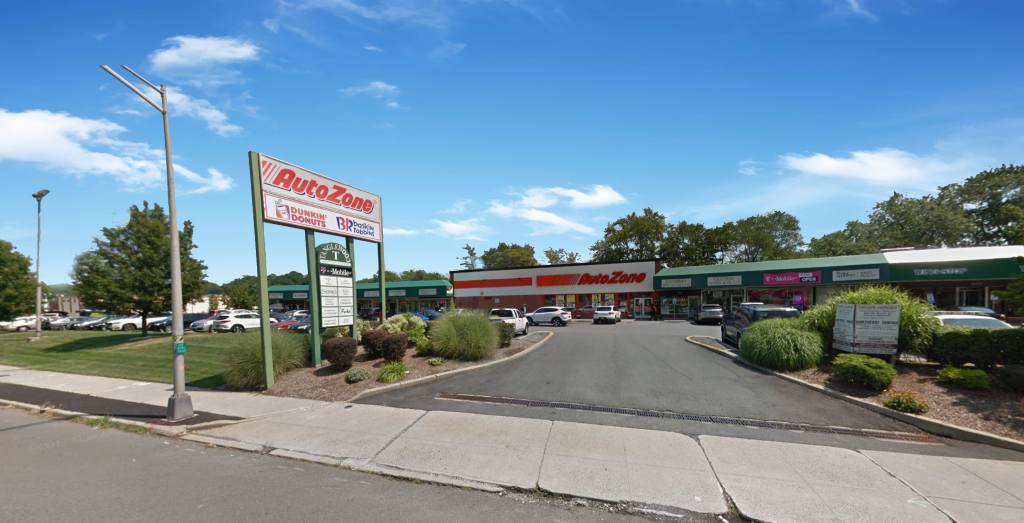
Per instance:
{"type": "Point", "coordinates": [325, 384]}
{"type": "Point", "coordinates": [995, 410]}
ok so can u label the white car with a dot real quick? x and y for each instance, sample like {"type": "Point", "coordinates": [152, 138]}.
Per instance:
{"type": "Point", "coordinates": [236, 322]}
{"type": "Point", "coordinates": [513, 316]}
{"type": "Point", "coordinates": [134, 322]}
{"type": "Point", "coordinates": [607, 314]}
{"type": "Point", "coordinates": [298, 313]}
{"type": "Point", "coordinates": [973, 320]}
{"type": "Point", "coordinates": [554, 315]}
{"type": "Point", "coordinates": [21, 324]}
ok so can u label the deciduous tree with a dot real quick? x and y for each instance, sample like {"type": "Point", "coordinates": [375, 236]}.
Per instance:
{"type": "Point", "coordinates": [17, 282]}
{"type": "Point", "coordinates": [506, 256]}
{"type": "Point", "coordinates": [560, 256]}
{"type": "Point", "coordinates": [634, 237]}
{"type": "Point", "coordinates": [130, 267]}
{"type": "Point", "coordinates": [692, 244]}
{"type": "Point", "coordinates": [770, 236]}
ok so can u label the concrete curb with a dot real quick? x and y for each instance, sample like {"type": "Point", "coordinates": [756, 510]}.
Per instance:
{"type": "Point", "coordinates": [926, 424]}
{"type": "Point", "coordinates": [160, 430]}
{"type": "Point", "coordinates": [417, 381]}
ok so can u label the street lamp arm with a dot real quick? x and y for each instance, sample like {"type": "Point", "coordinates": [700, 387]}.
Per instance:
{"type": "Point", "coordinates": [155, 88]}
{"type": "Point", "coordinates": [132, 87]}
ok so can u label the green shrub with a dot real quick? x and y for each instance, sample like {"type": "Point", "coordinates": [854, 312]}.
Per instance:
{"type": "Point", "coordinates": [357, 374]}
{"type": "Point", "coordinates": [394, 346]}
{"type": "Point", "coordinates": [365, 325]}
{"type": "Point", "coordinates": [986, 348]}
{"type": "Point", "coordinates": [425, 348]}
{"type": "Point", "coordinates": [372, 341]}
{"type": "Point", "coordinates": [1011, 377]}
{"type": "Point", "coordinates": [244, 357]}
{"type": "Point", "coordinates": [906, 401]}
{"type": "Point", "coordinates": [392, 372]}
{"type": "Point", "coordinates": [864, 370]}
{"type": "Point", "coordinates": [336, 332]}
{"type": "Point", "coordinates": [917, 323]}
{"type": "Point", "coordinates": [964, 378]}
{"type": "Point", "coordinates": [437, 361]}
{"type": "Point", "coordinates": [340, 352]}
{"type": "Point", "coordinates": [781, 344]}
{"type": "Point", "coordinates": [472, 336]}
{"type": "Point", "coordinates": [412, 326]}
{"type": "Point", "coordinates": [506, 331]}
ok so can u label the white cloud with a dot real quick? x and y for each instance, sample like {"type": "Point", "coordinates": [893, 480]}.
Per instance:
{"type": "Point", "coordinates": [446, 50]}
{"type": "Point", "coordinates": [272, 25]}
{"type": "Point", "coordinates": [100, 36]}
{"type": "Point", "coordinates": [374, 89]}
{"type": "Point", "coordinates": [400, 232]}
{"type": "Point", "coordinates": [200, 61]}
{"type": "Point", "coordinates": [458, 207]}
{"type": "Point", "coordinates": [216, 121]}
{"type": "Point", "coordinates": [68, 144]}
{"type": "Point", "coordinates": [393, 104]}
{"type": "Point", "coordinates": [546, 222]}
{"type": "Point", "coordinates": [434, 14]}
{"type": "Point", "coordinates": [464, 230]}
{"type": "Point", "coordinates": [216, 182]}
{"type": "Point", "coordinates": [126, 111]}
{"type": "Point", "coordinates": [373, 48]}
{"type": "Point", "coordinates": [750, 167]}
{"type": "Point", "coordinates": [852, 7]}
{"type": "Point", "coordinates": [886, 167]}
{"type": "Point", "coordinates": [598, 196]}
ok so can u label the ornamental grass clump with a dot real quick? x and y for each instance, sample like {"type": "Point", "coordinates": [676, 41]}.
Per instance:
{"type": "Point", "coordinates": [964, 378]}
{"type": "Point", "coordinates": [781, 344]}
{"type": "Point", "coordinates": [244, 358]}
{"type": "Point", "coordinates": [392, 372]}
{"type": "Point", "coordinates": [340, 352]}
{"type": "Point", "coordinates": [506, 331]}
{"type": "Point", "coordinates": [917, 323]}
{"type": "Point", "coordinates": [864, 370]}
{"type": "Point", "coordinates": [470, 336]}
{"type": "Point", "coordinates": [906, 401]}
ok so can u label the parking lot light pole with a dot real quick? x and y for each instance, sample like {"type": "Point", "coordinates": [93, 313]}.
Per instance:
{"type": "Point", "coordinates": [179, 406]}
{"type": "Point", "coordinates": [39, 282]}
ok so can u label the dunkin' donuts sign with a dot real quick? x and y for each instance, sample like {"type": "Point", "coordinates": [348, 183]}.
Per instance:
{"type": "Point", "coordinates": [300, 198]}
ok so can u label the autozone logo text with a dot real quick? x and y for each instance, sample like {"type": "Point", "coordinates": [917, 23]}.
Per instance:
{"type": "Point", "coordinates": [286, 178]}
{"type": "Point", "coordinates": [617, 277]}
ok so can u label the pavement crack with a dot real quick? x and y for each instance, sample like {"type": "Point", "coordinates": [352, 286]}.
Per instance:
{"type": "Point", "coordinates": [392, 440]}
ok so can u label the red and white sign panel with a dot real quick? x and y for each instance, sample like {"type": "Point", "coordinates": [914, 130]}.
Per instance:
{"type": "Point", "coordinates": [297, 197]}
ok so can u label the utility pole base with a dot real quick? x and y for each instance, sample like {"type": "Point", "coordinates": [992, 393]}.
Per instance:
{"type": "Point", "coordinates": [179, 407]}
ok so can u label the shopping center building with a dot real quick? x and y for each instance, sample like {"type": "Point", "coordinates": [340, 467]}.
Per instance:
{"type": "Point", "coordinates": [579, 287]}
{"type": "Point", "coordinates": [403, 296]}
{"type": "Point", "coordinates": [947, 278]}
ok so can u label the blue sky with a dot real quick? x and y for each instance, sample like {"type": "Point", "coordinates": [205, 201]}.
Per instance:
{"type": "Point", "coordinates": [483, 121]}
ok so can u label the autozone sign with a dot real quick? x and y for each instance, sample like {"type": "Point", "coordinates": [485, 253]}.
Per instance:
{"type": "Point", "coordinates": [616, 277]}
{"type": "Point", "coordinates": [301, 198]}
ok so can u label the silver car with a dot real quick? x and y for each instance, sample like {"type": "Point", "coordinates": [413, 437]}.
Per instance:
{"type": "Point", "coordinates": [203, 325]}
{"type": "Point", "coordinates": [710, 313]}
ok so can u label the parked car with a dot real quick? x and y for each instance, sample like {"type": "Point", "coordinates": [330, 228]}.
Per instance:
{"type": "Point", "coordinates": [736, 323]}
{"type": "Point", "coordinates": [302, 326]}
{"type": "Point", "coordinates": [556, 316]}
{"type": "Point", "coordinates": [302, 312]}
{"type": "Point", "coordinates": [54, 315]}
{"type": "Point", "coordinates": [973, 320]}
{"type": "Point", "coordinates": [63, 324]}
{"type": "Point", "coordinates": [513, 316]}
{"type": "Point", "coordinates": [710, 313]}
{"type": "Point", "coordinates": [429, 315]}
{"type": "Point", "coordinates": [278, 317]}
{"type": "Point", "coordinates": [98, 323]}
{"type": "Point", "coordinates": [282, 325]}
{"type": "Point", "coordinates": [369, 314]}
{"type": "Point", "coordinates": [607, 314]}
{"type": "Point", "coordinates": [983, 310]}
{"type": "Point", "coordinates": [203, 324]}
{"type": "Point", "coordinates": [187, 319]}
{"type": "Point", "coordinates": [22, 324]}
{"type": "Point", "coordinates": [134, 322]}
{"type": "Point", "coordinates": [236, 322]}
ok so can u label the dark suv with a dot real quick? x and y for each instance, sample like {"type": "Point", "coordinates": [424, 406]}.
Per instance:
{"type": "Point", "coordinates": [736, 323]}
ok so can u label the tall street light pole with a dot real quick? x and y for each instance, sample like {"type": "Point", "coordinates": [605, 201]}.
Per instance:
{"type": "Point", "coordinates": [39, 282]}
{"type": "Point", "coordinates": [179, 406]}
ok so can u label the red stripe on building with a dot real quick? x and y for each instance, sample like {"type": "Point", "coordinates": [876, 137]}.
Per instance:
{"type": "Point", "coordinates": [556, 280]}
{"type": "Point", "coordinates": [500, 282]}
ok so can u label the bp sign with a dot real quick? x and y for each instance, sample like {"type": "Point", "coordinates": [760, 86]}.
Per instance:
{"type": "Point", "coordinates": [337, 285]}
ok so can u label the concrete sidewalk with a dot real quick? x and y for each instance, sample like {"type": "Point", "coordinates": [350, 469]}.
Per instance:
{"type": "Point", "coordinates": [665, 471]}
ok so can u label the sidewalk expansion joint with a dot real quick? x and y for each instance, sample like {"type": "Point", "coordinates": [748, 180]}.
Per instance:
{"type": "Point", "coordinates": [720, 420]}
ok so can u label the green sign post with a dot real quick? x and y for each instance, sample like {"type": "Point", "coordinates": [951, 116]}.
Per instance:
{"type": "Point", "coordinates": [289, 195]}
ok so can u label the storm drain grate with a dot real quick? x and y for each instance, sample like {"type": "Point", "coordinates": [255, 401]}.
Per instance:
{"type": "Point", "coordinates": [721, 420]}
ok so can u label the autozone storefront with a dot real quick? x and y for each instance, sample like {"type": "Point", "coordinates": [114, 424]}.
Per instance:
{"type": "Point", "coordinates": [579, 287]}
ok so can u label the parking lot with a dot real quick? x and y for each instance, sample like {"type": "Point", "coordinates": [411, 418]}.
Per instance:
{"type": "Point", "coordinates": [650, 365]}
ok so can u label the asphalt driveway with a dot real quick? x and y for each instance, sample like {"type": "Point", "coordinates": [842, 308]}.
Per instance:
{"type": "Point", "coordinates": [647, 365]}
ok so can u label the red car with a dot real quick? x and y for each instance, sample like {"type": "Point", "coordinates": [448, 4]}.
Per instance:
{"type": "Point", "coordinates": [282, 325]}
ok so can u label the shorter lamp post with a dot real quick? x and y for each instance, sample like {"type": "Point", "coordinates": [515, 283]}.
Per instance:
{"type": "Point", "coordinates": [39, 283]}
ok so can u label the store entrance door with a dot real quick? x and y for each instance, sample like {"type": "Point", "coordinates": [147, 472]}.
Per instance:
{"type": "Point", "coordinates": [642, 308]}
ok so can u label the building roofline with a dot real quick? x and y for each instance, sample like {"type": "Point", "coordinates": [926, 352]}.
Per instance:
{"type": "Point", "coordinates": [558, 265]}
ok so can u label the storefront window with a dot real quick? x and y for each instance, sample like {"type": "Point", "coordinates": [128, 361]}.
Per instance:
{"type": "Point", "coordinates": [560, 300]}
{"type": "Point", "coordinates": [549, 300]}
{"type": "Point", "coordinates": [794, 297]}
{"type": "Point", "coordinates": [729, 299]}
{"type": "Point", "coordinates": [585, 305]}
{"type": "Point", "coordinates": [570, 302]}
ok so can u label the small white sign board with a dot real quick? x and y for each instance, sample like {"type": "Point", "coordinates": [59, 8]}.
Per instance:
{"type": "Point", "coordinates": [867, 329]}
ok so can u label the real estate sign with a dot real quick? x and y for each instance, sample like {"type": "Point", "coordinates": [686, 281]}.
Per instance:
{"type": "Point", "coordinates": [867, 329]}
